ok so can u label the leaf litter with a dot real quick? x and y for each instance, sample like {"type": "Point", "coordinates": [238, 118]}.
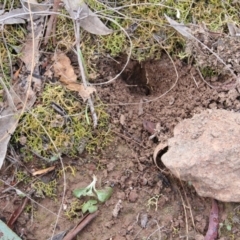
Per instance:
{"type": "Point", "coordinates": [22, 95]}
{"type": "Point", "coordinates": [64, 70]}
{"type": "Point", "coordinates": [23, 99]}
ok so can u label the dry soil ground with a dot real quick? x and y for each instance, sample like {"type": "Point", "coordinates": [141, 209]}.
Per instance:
{"type": "Point", "coordinates": [155, 205]}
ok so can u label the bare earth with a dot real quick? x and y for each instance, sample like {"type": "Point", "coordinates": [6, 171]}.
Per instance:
{"type": "Point", "coordinates": [155, 205]}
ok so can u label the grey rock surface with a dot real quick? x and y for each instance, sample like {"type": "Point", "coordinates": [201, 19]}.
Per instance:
{"type": "Point", "coordinates": [205, 151]}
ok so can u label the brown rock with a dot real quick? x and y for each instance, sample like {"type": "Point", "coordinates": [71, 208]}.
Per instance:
{"type": "Point", "coordinates": [205, 151]}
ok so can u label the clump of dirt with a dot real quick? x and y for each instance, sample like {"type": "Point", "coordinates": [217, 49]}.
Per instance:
{"type": "Point", "coordinates": [155, 205]}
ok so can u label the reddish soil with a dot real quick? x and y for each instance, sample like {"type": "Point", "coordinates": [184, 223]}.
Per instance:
{"type": "Point", "coordinates": [155, 205]}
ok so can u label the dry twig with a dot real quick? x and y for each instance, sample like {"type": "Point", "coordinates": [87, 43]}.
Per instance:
{"type": "Point", "coordinates": [85, 221]}
{"type": "Point", "coordinates": [51, 26]}
{"type": "Point", "coordinates": [84, 80]}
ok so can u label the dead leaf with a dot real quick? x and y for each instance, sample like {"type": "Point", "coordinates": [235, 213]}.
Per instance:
{"type": "Point", "coordinates": [233, 29]}
{"type": "Point", "coordinates": [59, 236]}
{"type": "Point", "coordinates": [180, 27]}
{"type": "Point", "coordinates": [30, 53]}
{"type": "Point", "coordinates": [15, 16]}
{"type": "Point", "coordinates": [117, 208]}
{"type": "Point", "coordinates": [89, 21]}
{"type": "Point", "coordinates": [82, 91]}
{"type": "Point", "coordinates": [20, 15]}
{"type": "Point", "coordinates": [64, 70]}
{"type": "Point", "coordinates": [8, 124]}
{"type": "Point", "coordinates": [33, 6]}
{"type": "Point", "coordinates": [21, 94]}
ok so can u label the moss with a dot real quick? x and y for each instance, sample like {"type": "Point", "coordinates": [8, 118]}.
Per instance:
{"type": "Point", "coordinates": [208, 72]}
{"type": "Point", "coordinates": [45, 189]}
{"type": "Point", "coordinates": [48, 133]}
{"type": "Point", "coordinates": [22, 176]}
{"type": "Point", "coordinates": [153, 201]}
{"type": "Point", "coordinates": [73, 210]}
{"type": "Point", "coordinates": [69, 168]}
{"type": "Point", "coordinates": [150, 20]}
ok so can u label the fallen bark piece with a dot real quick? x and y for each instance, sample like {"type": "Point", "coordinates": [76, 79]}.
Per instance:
{"type": "Point", "coordinates": [212, 232]}
{"type": "Point", "coordinates": [205, 152]}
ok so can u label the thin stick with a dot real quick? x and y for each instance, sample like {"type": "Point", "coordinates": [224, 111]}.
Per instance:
{"type": "Point", "coordinates": [82, 70]}
{"type": "Point", "coordinates": [51, 26]}
{"type": "Point", "coordinates": [185, 213]}
{"type": "Point", "coordinates": [17, 213]}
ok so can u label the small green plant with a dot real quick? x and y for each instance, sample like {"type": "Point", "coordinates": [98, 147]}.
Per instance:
{"type": "Point", "coordinates": [208, 72]}
{"type": "Point", "coordinates": [90, 205]}
{"type": "Point", "coordinates": [101, 195]}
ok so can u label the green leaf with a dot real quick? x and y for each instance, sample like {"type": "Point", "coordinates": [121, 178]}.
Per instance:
{"type": "Point", "coordinates": [87, 191]}
{"type": "Point", "coordinates": [104, 194]}
{"type": "Point", "coordinates": [93, 209]}
{"type": "Point", "coordinates": [83, 192]}
{"type": "Point", "coordinates": [90, 206]}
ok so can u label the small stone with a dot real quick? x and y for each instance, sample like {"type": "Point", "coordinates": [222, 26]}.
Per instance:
{"type": "Point", "coordinates": [199, 237]}
{"type": "Point", "coordinates": [23, 140]}
{"type": "Point", "coordinates": [144, 181]}
{"type": "Point", "coordinates": [122, 120]}
{"type": "Point", "coordinates": [121, 195]}
{"type": "Point", "coordinates": [109, 224]}
{"type": "Point", "coordinates": [110, 167]}
{"type": "Point", "coordinates": [133, 196]}
{"type": "Point", "coordinates": [140, 167]}
{"type": "Point", "coordinates": [130, 228]}
{"type": "Point", "coordinates": [199, 218]}
{"type": "Point", "coordinates": [143, 220]}
{"type": "Point", "coordinates": [117, 208]}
